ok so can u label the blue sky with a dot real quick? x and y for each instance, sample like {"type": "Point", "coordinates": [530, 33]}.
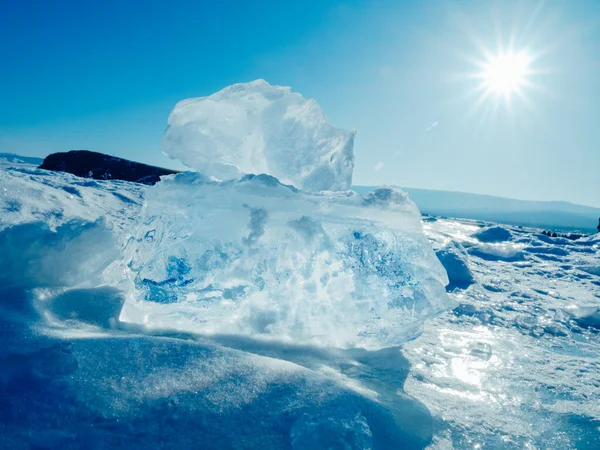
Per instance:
{"type": "Point", "coordinates": [105, 75]}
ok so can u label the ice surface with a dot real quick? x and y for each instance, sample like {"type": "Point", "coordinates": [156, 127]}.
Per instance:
{"type": "Point", "coordinates": [257, 128]}
{"type": "Point", "coordinates": [510, 356]}
{"type": "Point", "coordinates": [256, 257]}
{"type": "Point", "coordinates": [591, 269]}
{"type": "Point", "coordinates": [84, 379]}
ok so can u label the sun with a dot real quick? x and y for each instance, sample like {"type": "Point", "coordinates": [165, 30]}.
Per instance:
{"type": "Point", "coordinates": [506, 73]}
{"type": "Point", "coordinates": [505, 62]}
{"type": "Point", "coordinates": [504, 78]}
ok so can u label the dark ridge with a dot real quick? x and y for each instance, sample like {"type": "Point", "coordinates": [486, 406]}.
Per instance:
{"type": "Point", "coordinates": [99, 166]}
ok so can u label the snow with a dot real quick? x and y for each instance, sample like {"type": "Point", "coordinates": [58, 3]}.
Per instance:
{"type": "Point", "coordinates": [585, 316]}
{"type": "Point", "coordinates": [100, 307]}
{"type": "Point", "coordinates": [257, 128]}
{"type": "Point", "coordinates": [10, 159]}
{"type": "Point", "coordinates": [31, 195]}
{"type": "Point", "coordinates": [324, 432]}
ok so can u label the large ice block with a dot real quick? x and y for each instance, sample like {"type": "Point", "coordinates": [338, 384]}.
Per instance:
{"type": "Point", "coordinates": [260, 258]}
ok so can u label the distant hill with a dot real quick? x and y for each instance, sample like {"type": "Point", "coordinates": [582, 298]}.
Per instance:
{"type": "Point", "coordinates": [12, 158]}
{"type": "Point", "coordinates": [87, 164]}
{"type": "Point", "coordinates": [548, 215]}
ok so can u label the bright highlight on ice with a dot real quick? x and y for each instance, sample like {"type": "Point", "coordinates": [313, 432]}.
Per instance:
{"type": "Point", "coordinates": [506, 73]}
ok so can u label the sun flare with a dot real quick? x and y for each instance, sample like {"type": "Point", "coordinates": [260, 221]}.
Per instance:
{"type": "Point", "coordinates": [506, 73]}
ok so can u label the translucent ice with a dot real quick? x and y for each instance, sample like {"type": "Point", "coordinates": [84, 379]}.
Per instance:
{"type": "Point", "coordinates": [35, 256]}
{"type": "Point", "coordinates": [256, 128]}
{"type": "Point", "coordinates": [455, 260]}
{"type": "Point", "coordinates": [256, 257]}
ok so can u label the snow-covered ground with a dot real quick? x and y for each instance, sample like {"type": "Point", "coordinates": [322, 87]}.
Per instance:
{"type": "Point", "coordinates": [214, 311]}
{"type": "Point", "coordinates": [515, 365]}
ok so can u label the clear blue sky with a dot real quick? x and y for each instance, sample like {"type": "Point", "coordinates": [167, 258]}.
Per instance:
{"type": "Point", "coordinates": [104, 76]}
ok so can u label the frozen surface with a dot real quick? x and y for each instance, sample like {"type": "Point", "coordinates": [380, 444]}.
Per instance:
{"type": "Point", "coordinates": [515, 365]}
{"type": "Point", "coordinates": [258, 258]}
{"type": "Point", "coordinates": [76, 252]}
{"type": "Point", "coordinates": [11, 159]}
{"type": "Point", "coordinates": [507, 251]}
{"type": "Point", "coordinates": [257, 128]}
{"type": "Point", "coordinates": [31, 195]}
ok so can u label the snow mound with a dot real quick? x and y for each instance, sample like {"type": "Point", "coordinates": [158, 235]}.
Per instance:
{"type": "Point", "coordinates": [256, 257]}
{"type": "Point", "coordinates": [455, 260]}
{"type": "Point", "coordinates": [585, 316]}
{"type": "Point", "coordinates": [498, 252]}
{"type": "Point", "coordinates": [257, 128]}
{"type": "Point", "coordinates": [493, 234]}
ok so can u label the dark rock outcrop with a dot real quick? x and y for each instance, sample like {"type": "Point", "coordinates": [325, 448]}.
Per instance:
{"type": "Point", "coordinates": [99, 166]}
